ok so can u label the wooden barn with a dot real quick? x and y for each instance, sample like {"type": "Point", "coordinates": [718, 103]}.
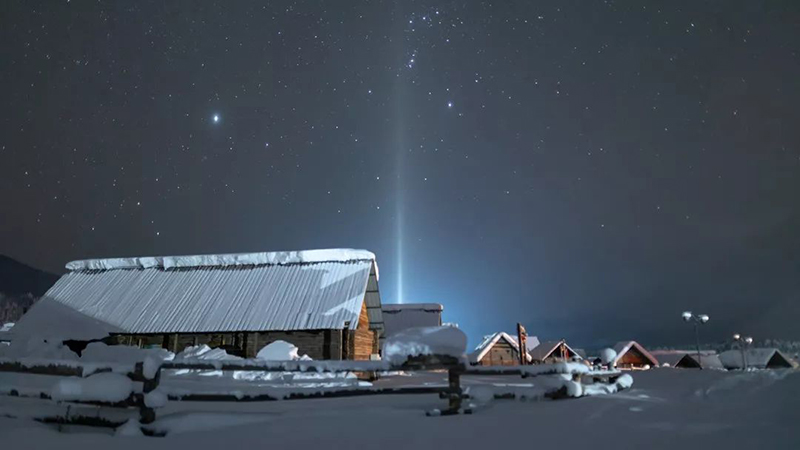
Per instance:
{"type": "Point", "coordinates": [631, 355]}
{"type": "Point", "coordinates": [552, 351]}
{"type": "Point", "coordinates": [325, 302]}
{"type": "Point", "coordinates": [499, 349]}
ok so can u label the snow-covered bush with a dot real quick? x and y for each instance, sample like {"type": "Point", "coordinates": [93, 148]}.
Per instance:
{"type": "Point", "coordinates": [421, 341]}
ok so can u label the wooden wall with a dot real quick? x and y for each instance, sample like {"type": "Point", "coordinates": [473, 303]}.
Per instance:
{"type": "Point", "coordinates": [501, 354]}
{"type": "Point", "coordinates": [317, 344]}
{"type": "Point", "coordinates": [365, 341]}
{"type": "Point", "coordinates": [632, 358]}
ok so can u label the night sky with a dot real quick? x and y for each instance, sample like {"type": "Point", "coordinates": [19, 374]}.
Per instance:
{"type": "Point", "coordinates": [588, 168]}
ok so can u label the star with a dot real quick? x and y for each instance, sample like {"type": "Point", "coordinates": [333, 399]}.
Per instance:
{"type": "Point", "coordinates": [215, 118]}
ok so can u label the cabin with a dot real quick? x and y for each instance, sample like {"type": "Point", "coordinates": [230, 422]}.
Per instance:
{"type": "Point", "coordinates": [399, 317]}
{"type": "Point", "coordinates": [325, 302]}
{"type": "Point", "coordinates": [687, 359]}
{"type": "Point", "coordinates": [500, 349]}
{"type": "Point", "coordinates": [755, 358]}
{"type": "Point", "coordinates": [553, 351]}
{"type": "Point", "coordinates": [631, 355]}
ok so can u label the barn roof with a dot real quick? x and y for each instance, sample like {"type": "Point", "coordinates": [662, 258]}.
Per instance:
{"type": "Point", "coordinates": [756, 357]}
{"type": "Point", "coordinates": [315, 289]}
{"type": "Point", "coordinates": [623, 347]}
{"type": "Point", "coordinates": [399, 317]}
{"type": "Point", "coordinates": [490, 340]}
{"type": "Point", "coordinates": [543, 350]}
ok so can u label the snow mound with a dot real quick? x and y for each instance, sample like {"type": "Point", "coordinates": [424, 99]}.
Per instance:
{"type": "Point", "coordinates": [101, 387]}
{"type": "Point", "coordinates": [204, 352]}
{"type": "Point", "coordinates": [129, 429]}
{"type": "Point", "coordinates": [424, 341]}
{"type": "Point", "coordinates": [37, 348]}
{"type": "Point", "coordinates": [225, 260]}
{"type": "Point", "coordinates": [574, 389]}
{"type": "Point", "coordinates": [155, 399]}
{"type": "Point", "coordinates": [608, 355]}
{"type": "Point", "coordinates": [280, 351]}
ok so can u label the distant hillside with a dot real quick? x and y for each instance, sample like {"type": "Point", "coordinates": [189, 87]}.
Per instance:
{"type": "Point", "coordinates": [20, 286]}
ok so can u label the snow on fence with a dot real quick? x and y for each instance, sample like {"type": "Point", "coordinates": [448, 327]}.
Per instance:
{"type": "Point", "coordinates": [132, 382]}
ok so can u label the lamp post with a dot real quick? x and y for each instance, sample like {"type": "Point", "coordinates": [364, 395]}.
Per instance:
{"type": "Point", "coordinates": [696, 319]}
{"type": "Point", "coordinates": [743, 343]}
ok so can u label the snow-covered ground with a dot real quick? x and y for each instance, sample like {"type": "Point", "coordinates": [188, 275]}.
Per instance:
{"type": "Point", "coordinates": [665, 408]}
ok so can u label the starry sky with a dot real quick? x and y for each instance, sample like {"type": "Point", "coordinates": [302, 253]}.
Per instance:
{"type": "Point", "coordinates": [589, 168]}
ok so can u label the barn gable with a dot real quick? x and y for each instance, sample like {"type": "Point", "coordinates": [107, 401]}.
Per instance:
{"type": "Point", "coordinates": [552, 350]}
{"type": "Point", "coordinates": [631, 354]}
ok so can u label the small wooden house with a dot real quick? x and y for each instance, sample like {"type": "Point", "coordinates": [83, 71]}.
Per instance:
{"type": "Point", "coordinates": [499, 349]}
{"type": "Point", "coordinates": [631, 355]}
{"type": "Point", "coordinates": [686, 359]}
{"type": "Point", "coordinates": [755, 358]}
{"type": "Point", "coordinates": [553, 351]}
{"type": "Point", "coordinates": [325, 302]}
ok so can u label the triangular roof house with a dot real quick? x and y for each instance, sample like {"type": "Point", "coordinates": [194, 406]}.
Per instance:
{"type": "Point", "coordinates": [687, 359]}
{"type": "Point", "coordinates": [500, 349]}
{"type": "Point", "coordinates": [553, 350]}
{"type": "Point", "coordinates": [757, 358]}
{"type": "Point", "coordinates": [631, 355]}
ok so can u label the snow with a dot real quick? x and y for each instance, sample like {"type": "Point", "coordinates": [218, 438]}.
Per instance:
{"type": "Point", "coordinates": [280, 351]}
{"type": "Point", "coordinates": [574, 389]}
{"type": "Point", "coordinates": [608, 355]}
{"type": "Point", "coordinates": [424, 341]}
{"type": "Point", "coordinates": [224, 260]}
{"type": "Point", "coordinates": [155, 399]}
{"type": "Point", "coordinates": [205, 353]}
{"type": "Point", "coordinates": [131, 428]}
{"type": "Point", "coordinates": [104, 387]}
{"type": "Point", "coordinates": [664, 409]}
{"type": "Point", "coordinates": [6, 327]}
{"type": "Point", "coordinates": [36, 348]}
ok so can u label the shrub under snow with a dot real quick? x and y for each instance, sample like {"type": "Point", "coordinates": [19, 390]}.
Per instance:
{"type": "Point", "coordinates": [424, 341]}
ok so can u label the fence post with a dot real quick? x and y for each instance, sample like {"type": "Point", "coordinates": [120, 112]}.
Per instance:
{"type": "Point", "coordinates": [454, 385]}
{"type": "Point", "coordinates": [146, 414]}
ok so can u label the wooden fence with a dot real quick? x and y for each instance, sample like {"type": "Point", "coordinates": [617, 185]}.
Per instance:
{"type": "Point", "coordinates": [453, 392]}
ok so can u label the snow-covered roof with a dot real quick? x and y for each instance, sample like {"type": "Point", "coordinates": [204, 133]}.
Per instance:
{"type": "Point", "coordinates": [543, 350]}
{"type": "Point", "coordinates": [316, 289]}
{"type": "Point", "coordinates": [756, 357]}
{"type": "Point", "coordinates": [225, 260]}
{"type": "Point", "coordinates": [399, 317]}
{"type": "Point", "coordinates": [623, 347]}
{"type": "Point", "coordinates": [490, 340]}
{"type": "Point", "coordinates": [429, 307]}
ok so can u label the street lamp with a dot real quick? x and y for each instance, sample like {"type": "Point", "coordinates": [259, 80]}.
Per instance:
{"type": "Point", "coordinates": [743, 343]}
{"type": "Point", "coordinates": [696, 319]}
